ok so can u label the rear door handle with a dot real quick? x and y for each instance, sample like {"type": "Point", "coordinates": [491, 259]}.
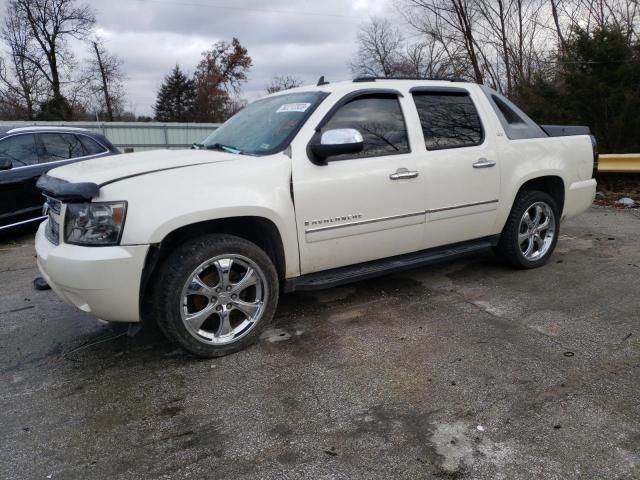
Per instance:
{"type": "Point", "coordinates": [403, 174]}
{"type": "Point", "coordinates": [484, 163]}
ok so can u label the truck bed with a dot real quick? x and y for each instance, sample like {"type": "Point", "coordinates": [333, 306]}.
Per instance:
{"type": "Point", "coordinates": [565, 130]}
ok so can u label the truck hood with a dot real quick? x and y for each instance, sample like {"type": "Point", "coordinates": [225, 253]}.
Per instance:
{"type": "Point", "coordinates": [101, 171]}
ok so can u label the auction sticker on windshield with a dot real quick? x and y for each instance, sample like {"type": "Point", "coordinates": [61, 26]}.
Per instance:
{"type": "Point", "coordinates": [293, 107]}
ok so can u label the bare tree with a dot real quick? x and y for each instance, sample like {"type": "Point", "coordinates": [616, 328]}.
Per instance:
{"type": "Point", "coordinates": [620, 14]}
{"type": "Point", "coordinates": [21, 82]}
{"type": "Point", "coordinates": [380, 46]}
{"type": "Point", "coordinates": [568, 15]}
{"type": "Point", "coordinates": [425, 60]}
{"type": "Point", "coordinates": [383, 52]}
{"type": "Point", "coordinates": [562, 43]}
{"type": "Point", "coordinates": [283, 82]}
{"type": "Point", "coordinates": [49, 24]}
{"type": "Point", "coordinates": [510, 32]}
{"type": "Point", "coordinates": [106, 76]}
{"type": "Point", "coordinates": [452, 23]}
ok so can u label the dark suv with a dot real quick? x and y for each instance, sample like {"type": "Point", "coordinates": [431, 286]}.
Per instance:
{"type": "Point", "coordinates": [28, 152]}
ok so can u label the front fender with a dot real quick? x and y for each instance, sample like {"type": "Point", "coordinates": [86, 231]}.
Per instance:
{"type": "Point", "coordinates": [163, 202]}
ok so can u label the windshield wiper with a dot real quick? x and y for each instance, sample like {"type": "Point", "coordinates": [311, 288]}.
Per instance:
{"type": "Point", "coordinates": [224, 148]}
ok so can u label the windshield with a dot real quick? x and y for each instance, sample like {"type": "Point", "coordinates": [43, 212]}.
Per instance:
{"type": "Point", "coordinates": [265, 126]}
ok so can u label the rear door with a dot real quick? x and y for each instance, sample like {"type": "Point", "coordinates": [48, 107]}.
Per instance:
{"type": "Point", "coordinates": [358, 207]}
{"type": "Point", "coordinates": [462, 174]}
{"type": "Point", "coordinates": [57, 147]}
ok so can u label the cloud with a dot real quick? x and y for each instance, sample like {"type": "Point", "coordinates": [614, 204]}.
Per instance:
{"type": "Point", "coordinates": [305, 38]}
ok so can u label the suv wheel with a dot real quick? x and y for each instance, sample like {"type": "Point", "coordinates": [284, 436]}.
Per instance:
{"type": "Point", "coordinates": [215, 294]}
{"type": "Point", "coordinates": [531, 232]}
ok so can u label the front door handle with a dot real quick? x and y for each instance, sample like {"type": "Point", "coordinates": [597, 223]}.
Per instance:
{"type": "Point", "coordinates": [402, 174]}
{"type": "Point", "coordinates": [484, 163]}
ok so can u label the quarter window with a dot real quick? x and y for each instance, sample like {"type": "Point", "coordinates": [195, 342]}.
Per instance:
{"type": "Point", "coordinates": [510, 116]}
{"type": "Point", "coordinates": [91, 146]}
{"type": "Point", "coordinates": [448, 120]}
{"type": "Point", "coordinates": [380, 121]}
{"type": "Point", "coordinates": [60, 146]}
{"type": "Point", "coordinates": [21, 149]}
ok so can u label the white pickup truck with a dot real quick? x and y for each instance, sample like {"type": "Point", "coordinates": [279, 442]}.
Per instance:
{"type": "Point", "coordinates": [304, 189]}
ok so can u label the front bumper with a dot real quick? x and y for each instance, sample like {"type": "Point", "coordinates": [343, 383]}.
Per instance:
{"type": "Point", "coordinates": [103, 281]}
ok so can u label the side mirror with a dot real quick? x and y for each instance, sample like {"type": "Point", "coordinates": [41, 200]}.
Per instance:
{"type": "Point", "coordinates": [340, 141]}
{"type": "Point", "coordinates": [5, 163]}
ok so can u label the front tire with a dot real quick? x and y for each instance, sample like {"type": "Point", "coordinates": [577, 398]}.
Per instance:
{"type": "Point", "coordinates": [215, 294]}
{"type": "Point", "coordinates": [531, 232]}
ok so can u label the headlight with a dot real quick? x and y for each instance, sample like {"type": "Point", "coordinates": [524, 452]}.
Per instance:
{"type": "Point", "coordinates": [94, 223]}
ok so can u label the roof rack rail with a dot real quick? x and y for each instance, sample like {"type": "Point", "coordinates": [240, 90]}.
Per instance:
{"type": "Point", "coordinates": [442, 79]}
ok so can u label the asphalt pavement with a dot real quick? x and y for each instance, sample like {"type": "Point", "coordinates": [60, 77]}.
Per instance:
{"type": "Point", "coordinates": [465, 370]}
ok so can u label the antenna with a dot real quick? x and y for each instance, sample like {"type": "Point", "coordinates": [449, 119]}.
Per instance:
{"type": "Point", "coordinates": [322, 81]}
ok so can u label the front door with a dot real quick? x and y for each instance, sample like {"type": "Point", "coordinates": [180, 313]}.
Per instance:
{"type": "Point", "coordinates": [362, 206]}
{"type": "Point", "coordinates": [19, 198]}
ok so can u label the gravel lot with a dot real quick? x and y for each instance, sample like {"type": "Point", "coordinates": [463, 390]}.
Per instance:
{"type": "Point", "coordinates": [465, 370]}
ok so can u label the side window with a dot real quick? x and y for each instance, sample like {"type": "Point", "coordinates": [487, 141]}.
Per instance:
{"type": "Point", "coordinates": [510, 116]}
{"type": "Point", "coordinates": [21, 149]}
{"type": "Point", "coordinates": [91, 146]}
{"type": "Point", "coordinates": [448, 120]}
{"type": "Point", "coordinates": [380, 121]}
{"type": "Point", "coordinates": [60, 146]}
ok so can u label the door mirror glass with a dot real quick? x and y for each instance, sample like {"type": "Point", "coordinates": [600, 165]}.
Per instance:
{"type": "Point", "coordinates": [5, 163]}
{"type": "Point", "coordinates": [341, 136]}
{"type": "Point", "coordinates": [339, 141]}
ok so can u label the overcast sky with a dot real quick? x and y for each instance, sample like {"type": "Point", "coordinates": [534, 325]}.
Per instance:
{"type": "Point", "coordinates": [304, 38]}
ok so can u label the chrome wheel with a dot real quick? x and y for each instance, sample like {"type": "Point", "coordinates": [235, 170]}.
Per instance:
{"type": "Point", "coordinates": [223, 299]}
{"type": "Point", "coordinates": [537, 230]}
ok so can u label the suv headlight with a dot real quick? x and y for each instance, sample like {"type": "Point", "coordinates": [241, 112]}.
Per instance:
{"type": "Point", "coordinates": [94, 223]}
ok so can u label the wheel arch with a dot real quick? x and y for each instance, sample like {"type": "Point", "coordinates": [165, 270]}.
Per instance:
{"type": "Point", "coordinates": [551, 182]}
{"type": "Point", "coordinates": [553, 185]}
{"type": "Point", "coordinates": [258, 230]}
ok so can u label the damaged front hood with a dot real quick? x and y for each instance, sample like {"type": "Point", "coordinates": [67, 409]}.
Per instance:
{"type": "Point", "coordinates": [102, 171]}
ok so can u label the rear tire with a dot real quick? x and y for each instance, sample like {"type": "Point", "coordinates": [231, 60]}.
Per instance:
{"type": "Point", "coordinates": [530, 235]}
{"type": "Point", "coordinates": [215, 294]}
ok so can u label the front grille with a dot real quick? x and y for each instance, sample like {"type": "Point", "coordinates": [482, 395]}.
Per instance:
{"type": "Point", "coordinates": [52, 209]}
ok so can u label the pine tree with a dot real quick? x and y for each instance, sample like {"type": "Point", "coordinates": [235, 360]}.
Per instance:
{"type": "Point", "coordinates": [175, 98]}
{"type": "Point", "coordinates": [597, 83]}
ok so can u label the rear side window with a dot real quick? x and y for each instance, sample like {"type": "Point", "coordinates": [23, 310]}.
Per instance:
{"type": "Point", "coordinates": [60, 146]}
{"type": "Point", "coordinates": [448, 120]}
{"type": "Point", "coordinates": [91, 146]}
{"type": "Point", "coordinates": [510, 116]}
{"type": "Point", "coordinates": [380, 121]}
{"type": "Point", "coordinates": [21, 149]}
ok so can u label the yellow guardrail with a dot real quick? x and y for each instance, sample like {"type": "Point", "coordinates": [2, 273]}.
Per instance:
{"type": "Point", "coordinates": [619, 163]}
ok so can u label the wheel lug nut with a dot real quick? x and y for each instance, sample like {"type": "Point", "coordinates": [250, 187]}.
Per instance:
{"type": "Point", "coordinates": [214, 299]}
{"type": "Point", "coordinates": [218, 289]}
{"type": "Point", "coordinates": [229, 288]}
{"type": "Point", "coordinates": [234, 296]}
{"type": "Point", "coordinates": [229, 305]}
{"type": "Point", "coordinates": [218, 308]}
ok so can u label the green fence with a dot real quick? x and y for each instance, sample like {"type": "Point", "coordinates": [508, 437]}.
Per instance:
{"type": "Point", "coordinates": [139, 136]}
